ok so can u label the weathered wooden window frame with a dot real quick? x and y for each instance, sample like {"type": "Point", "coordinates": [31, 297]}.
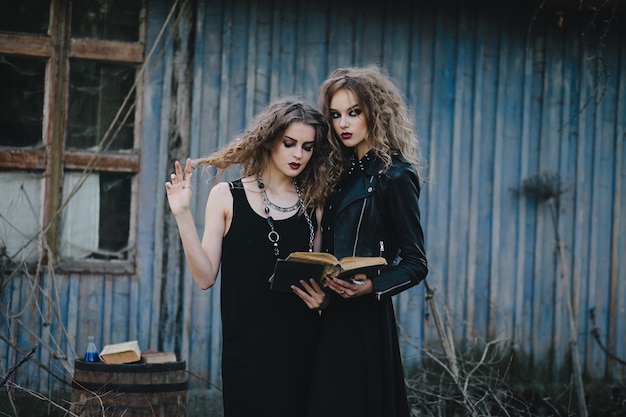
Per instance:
{"type": "Point", "coordinates": [58, 48]}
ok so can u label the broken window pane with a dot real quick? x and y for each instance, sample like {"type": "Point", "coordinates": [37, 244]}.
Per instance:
{"type": "Point", "coordinates": [106, 19]}
{"type": "Point", "coordinates": [97, 92]}
{"type": "Point", "coordinates": [96, 217]}
{"type": "Point", "coordinates": [21, 16]}
{"type": "Point", "coordinates": [20, 215]}
{"type": "Point", "coordinates": [115, 193]}
{"type": "Point", "coordinates": [21, 101]}
{"type": "Point", "coordinates": [80, 219]}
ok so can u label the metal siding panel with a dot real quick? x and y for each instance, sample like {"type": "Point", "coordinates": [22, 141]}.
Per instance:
{"type": "Point", "coordinates": [420, 96]}
{"type": "Point", "coordinates": [480, 142]}
{"type": "Point", "coordinates": [507, 149]}
{"type": "Point", "coordinates": [396, 30]}
{"type": "Point", "coordinates": [552, 306]}
{"type": "Point", "coordinates": [341, 37]}
{"type": "Point", "coordinates": [152, 320]}
{"type": "Point", "coordinates": [312, 60]}
{"type": "Point", "coordinates": [440, 150]}
{"type": "Point", "coordinates": [534, 216]}
{"type": "Point", "coordinates": [205, 138]}
{"type": "Point", "coordinates": [151, 177]}
{"type": "Point", "coordinates": [287, 36]}
{"type": "Point", "coordinates": [370, 34]}
{"type": "Point", "coordinates": [602, 204]}
{"type": "Point", "coordinates": [409, 304]}
{"type": "Point", "coordinates": [107, 311]}
{"type": "Point", "coordinates": [583, 190]}
{"type": "Point", "coordinates": [74, 347]}
{"type": "Point", "coordinates": [460, 175]}
{"type": "Point", "coordinates": [618, 315]}
{"type": "Point", "coordinates": [567, 163]}
{"type": "Point", "coordinates": [125, 303]}
{"type": "Point", "coordinates": [261, 65]}
{"type": "Point", "coordinates": [481, 202]}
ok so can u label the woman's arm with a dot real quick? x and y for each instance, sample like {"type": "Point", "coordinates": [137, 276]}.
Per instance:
{"type": "Point", "coordinates": [203, 257]}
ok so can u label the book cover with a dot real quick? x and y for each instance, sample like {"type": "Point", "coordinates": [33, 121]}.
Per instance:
{"type": "Point", "coordinates": [156, 356]}
{"type": "Point", "coordinates": [288, 273]}
{"type": "Point", "coordinates": [126, 352]}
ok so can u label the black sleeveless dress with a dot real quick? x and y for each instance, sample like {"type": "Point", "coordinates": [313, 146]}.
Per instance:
{"type": "Point", "coordinates": [269, 338]}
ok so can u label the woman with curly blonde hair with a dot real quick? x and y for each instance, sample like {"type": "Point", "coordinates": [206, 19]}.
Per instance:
{"type": "Point", "coordinates": [269, 337]}
{"type": "Point", "coordinates": [373, 212]}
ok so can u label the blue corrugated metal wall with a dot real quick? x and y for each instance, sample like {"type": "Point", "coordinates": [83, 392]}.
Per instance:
{"type": "Point", "coordinates": [499, 94]}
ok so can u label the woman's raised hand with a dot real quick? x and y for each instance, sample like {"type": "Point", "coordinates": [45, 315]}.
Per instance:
{"type": "Point", "coordinates": [179, 188]}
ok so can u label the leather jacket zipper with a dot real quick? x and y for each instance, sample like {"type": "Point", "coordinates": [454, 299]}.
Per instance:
{"type": "Point", "coordinates": [358, 228]}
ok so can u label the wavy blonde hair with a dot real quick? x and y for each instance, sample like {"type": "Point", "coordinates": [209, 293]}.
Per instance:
{"type": "Point", "coordinates": [253, 147]}
{"type": "Point", "coordinates": [389, 122]}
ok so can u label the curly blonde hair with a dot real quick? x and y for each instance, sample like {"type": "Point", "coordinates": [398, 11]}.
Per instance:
{"type": "Point", "coordinates": [252, 148]}
{"type": "Point", "coordinates": [389, 122]}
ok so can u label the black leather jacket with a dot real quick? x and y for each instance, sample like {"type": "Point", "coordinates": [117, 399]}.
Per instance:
{"type": "Point", "coordinates": [376, 213]}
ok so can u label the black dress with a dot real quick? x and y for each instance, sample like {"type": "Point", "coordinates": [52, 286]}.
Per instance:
{"type": "Point", "coordinates": [269, 338]}
{"type": "Point", "coordinates": [359, 372]}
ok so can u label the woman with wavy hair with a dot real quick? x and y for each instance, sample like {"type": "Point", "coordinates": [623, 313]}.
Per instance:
{"type": "Point", "coordinates": [269, 337]}
{"type": "Point", "coordinates": [373, 212]}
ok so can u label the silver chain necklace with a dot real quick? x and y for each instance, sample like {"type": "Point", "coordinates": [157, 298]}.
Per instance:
{"type": "Point", "coordinates": [268, 203]}
{"type": "Point", "coordinates": [273, 235]}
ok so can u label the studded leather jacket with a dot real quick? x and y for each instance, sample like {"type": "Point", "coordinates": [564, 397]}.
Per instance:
{"type": "Point", "coordinates": [376, 213]}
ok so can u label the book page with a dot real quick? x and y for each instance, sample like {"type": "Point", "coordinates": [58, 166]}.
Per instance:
{"type": "Point", "coordinates": [314, 257]}
{"type": "Point", "coordinates": [356, 262]}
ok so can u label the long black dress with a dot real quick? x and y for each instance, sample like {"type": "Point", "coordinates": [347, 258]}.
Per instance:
{"type": "Point", "coordinates": [372, 213]}
{"type": "Point", "coordinates": [269, 338]}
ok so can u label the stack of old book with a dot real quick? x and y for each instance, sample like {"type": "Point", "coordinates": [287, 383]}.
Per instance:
{"type": "Point", "coordinates": [129, 352]}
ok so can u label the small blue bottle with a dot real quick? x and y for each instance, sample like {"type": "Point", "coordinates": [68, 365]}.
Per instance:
{"type": "Point", "coordinates": [92, 352]}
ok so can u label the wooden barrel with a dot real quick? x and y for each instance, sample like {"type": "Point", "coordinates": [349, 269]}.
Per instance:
{"type": "Point", "coordinates": [136, 389]}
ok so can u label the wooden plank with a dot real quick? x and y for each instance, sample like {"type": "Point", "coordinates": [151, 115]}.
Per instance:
{"type": "Point", "coordinates": [104, 50]}
{"type": "Point", "coordinates": [23, 158]}
{"type": "Point", "coordinates": [35, 159]}
{"type": "Point", "coordinates": [27, 45]}
{"type": "Point", "coordinates": [58, 76]}
{"type": "Point", "coordinates": [107, 162]}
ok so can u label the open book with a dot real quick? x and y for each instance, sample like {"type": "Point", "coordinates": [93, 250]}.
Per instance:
{"type": "Point", "coordinates": [317, 265]}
